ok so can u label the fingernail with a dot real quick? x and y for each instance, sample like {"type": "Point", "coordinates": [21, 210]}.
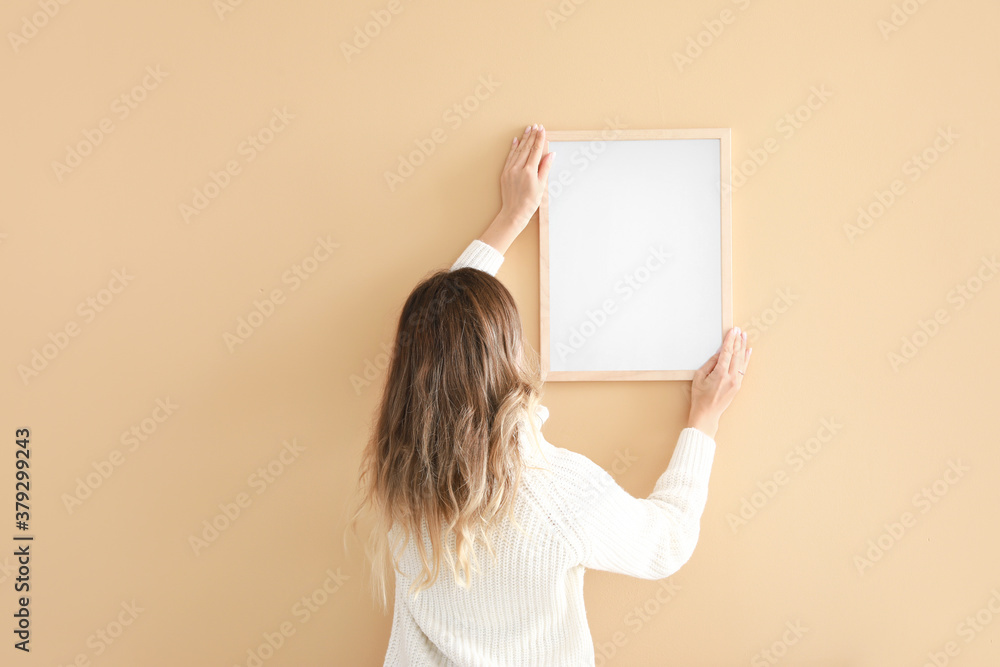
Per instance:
{"type": "Point", "coordinates": [737, 331]}
{"type": "Point", "coordinates": [527, 129]}
{"type": "Point", "coordinates": [750, 352]}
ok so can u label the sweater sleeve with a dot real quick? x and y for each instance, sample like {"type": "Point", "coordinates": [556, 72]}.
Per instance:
{"type": "Point", "coordinates": [479, 255]}
{"type": "Point", "coordinates": [649, 538]}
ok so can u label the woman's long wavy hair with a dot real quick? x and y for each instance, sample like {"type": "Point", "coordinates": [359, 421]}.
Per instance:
{"type": "Point", "coordinates": [443, 451]}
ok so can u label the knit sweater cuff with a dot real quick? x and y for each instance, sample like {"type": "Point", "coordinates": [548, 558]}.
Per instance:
{"type": "Point", "coordinates": [479, 255]}
{"type": "Point", "coordinates": [694, 453]}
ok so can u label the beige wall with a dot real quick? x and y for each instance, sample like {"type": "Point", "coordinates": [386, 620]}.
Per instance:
{"type": "Point", "coordinates": [160, 335]}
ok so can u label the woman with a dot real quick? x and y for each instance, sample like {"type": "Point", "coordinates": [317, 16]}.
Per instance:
{"type": "Point", "coordinates": [516, 520]}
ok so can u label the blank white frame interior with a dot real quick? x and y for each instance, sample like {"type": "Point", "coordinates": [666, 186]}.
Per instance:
{"type": "Point", "coordinates": [635, 253]}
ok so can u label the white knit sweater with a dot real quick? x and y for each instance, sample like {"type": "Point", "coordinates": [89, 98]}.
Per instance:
{"type": "Point", "coordinates": [526, 607]}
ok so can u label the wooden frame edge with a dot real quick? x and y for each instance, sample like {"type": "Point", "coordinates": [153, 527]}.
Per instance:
{"type": "Point", "coordinates": [543, 283]}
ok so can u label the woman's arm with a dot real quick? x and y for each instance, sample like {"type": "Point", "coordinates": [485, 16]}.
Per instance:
{"type": "Point", "coordinates": [522, 183]}
{"type": "Point", "coordinates": [649, 538]}
{"type": "Point", "coordinates": [502, 231]}
{"type": "Point", "coordinates": [653, 537]}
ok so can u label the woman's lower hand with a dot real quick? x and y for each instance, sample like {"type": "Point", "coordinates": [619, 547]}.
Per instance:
{"type": "Point", "coordinates": [716, 383]}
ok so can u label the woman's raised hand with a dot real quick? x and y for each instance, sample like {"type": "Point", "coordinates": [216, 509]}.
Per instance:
{"type": "Point", "coordinates": [525, 175]}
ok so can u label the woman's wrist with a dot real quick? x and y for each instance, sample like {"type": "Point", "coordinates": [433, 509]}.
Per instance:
{"type": "Point", "coordinates": [704, 422]}
{"type": "Point", "coordinates": [503, 230]}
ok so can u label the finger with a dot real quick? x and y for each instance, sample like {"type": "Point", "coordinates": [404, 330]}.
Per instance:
{"type": "Point", "coordinates": [744, 361]}
{"type": "Point", "coordinates": [726, 353]}
{"type": "Point", "coordinates": [536, 148]}
{"type": "Point", "coordinates": [739, 351]}
{"type": "Point", "coordinates": [523, 144]}
{"type": "Point", "coordinates": [709, 365]}
{"type": "Point", "coordinates": [545, 166]}
{"type": "Point", "coordinates": [741, 368]}
{"type": "Point", "coordinates": [510, 153]}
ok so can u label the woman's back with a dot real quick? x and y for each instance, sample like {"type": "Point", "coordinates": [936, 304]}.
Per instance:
{"type": "Point", "coordinates": [526, 606]}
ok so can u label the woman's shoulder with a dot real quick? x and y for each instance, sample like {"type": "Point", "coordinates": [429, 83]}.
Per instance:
{"type": "Point", "coordinates": [553, 458]}
{"type": "Point", "coordinates": [541, 414]}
